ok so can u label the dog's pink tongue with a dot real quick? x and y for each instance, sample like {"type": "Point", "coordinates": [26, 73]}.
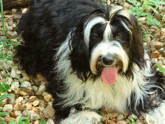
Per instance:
{"type": "Point", "coordinates": [109, 75]}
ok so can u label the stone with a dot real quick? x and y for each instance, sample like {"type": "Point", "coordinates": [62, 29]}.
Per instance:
{"type": "Point", "coordinates": [14, 86]}
{"type": "Point", "coordinates": [14, 11]}
{"type": "Point", "coordinates": [158, 44]}
{"type": "Point", "coordinates": [25, 113]}
{"type": "Point", "coordinates": [132, 116]}
{"type": "Point", "coordinates": [36, 102]}
{"type": "Point", "coordinates": [17, 113]}
{"type": "Point", "coordinates": [37, 122]}
{"type": "Point", "coordinates": [35, 88]}
{"type": "Point", "coordinates": [47, 97]}
{"type": "Point", "coordinates": [120, 117]}
{"type": "Point", "coordinates": [28, 106]}
{"type": "Point", "coordinates": [50, 121]}
{"type": "Point", "coordinates": [11, 34]}
{"type": "Point", "coordinates": [12, 100]}
{"type": "Point", "coordinates": [19, 100]}
{"type": "Point", "coordinates": [32, 98]}
{"type": "Point", "coordinates": [9, 81]}
{"type": "Point", "coordinates": [8, 119]}
{"type": "Point", "coordinates": [7, 66]}
{"type": "Point", "coordinates": [26, 84]}
{"type": "Point", "coordinates": [49, 112]}
{"type": "Point", "coordinates": [8, 108]}
{"type": "Point", "coordinates": [34, 116]}
{"type": "Point", "coordinates": [13, 74]}
{"type": "Point", "coordinates": [41, 89]}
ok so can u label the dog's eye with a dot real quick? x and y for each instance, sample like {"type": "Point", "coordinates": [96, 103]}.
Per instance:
{"type": "Point", "coordinates": [118, 36]}
{"type": "Point", "coordinates": [97, 39]}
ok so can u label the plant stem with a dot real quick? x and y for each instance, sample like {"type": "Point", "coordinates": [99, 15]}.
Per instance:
{"type": "Point", "coordinates": [2, 17]}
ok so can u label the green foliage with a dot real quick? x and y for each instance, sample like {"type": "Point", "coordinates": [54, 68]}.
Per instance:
{"type": "Point", "coordinates": [139, 10]}
{"type": "Point", "coordinates": [131, 122]}
{"type": "Point", "coordinates": [3, 89]}
{"type": "Point", "coordinates": [42, 121]}
{"type": "Point", "coordinates": [160, 68]}
{"type": "Point", "coordinates": [100, 112]}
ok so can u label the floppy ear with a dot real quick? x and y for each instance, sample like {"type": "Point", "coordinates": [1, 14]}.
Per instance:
{"type": "Point", "coordinates": [136, 48]}
{"type": "Point", "coordinates": [78, 56]}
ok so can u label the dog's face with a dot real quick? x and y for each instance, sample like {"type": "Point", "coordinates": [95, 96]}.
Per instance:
{"type": "Point", "coordinates": [111, 40]}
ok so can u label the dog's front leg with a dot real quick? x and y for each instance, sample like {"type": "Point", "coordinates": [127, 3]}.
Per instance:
{"type": "Point", "coordinates": [82, 117]}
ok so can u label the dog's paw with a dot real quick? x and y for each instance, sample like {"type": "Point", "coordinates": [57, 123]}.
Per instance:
{"type": "Point", "coordinates": [82, 117]}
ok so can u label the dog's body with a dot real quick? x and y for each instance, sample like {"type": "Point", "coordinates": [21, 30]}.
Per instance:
{"type": "Point", "coordinates": [92, 57]}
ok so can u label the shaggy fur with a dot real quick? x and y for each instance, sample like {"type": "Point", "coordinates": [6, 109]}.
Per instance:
{"type": "Point", "coordinates": [70, 42]}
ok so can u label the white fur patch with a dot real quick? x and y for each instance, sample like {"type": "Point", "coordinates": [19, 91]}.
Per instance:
{"type": "Point", "coordinates": [89, 26]}
{"type": "Point", "coordinates": [104, 48]}
{"type": "Point", "coordinates": [82, 117]}
{"type": "Point", "coordinates": [156, 116]}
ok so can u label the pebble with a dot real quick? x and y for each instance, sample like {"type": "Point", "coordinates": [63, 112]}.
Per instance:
{"type": "Point", "coordinates": [14, 85]}
{"type": "Point", "coordinates": [13, 75]}
{"type": "Point", "coordinates": [12, 100]}
{"type": "Point", "coordinates": [132, 116]}
{"type": "Point", "coordinates": [11, 34]}
{"type": "Point", "coordinates": [25, 113]}
{"type": "Point", "coordinates": [50, 121]}
{"type": "Point", "coordinates": [47, 97]}
{"type": "Point", "coordinates": [17, 113]}
{"type": "Point", "coordinates": [158, 44]}
{"type": "Point", "coordinates": [7, 66]}
{"type": "Point", "coordinates": [8, 108]}
{"type": "Point", "coordinates": [28, 106]}
{"type": "Point", "coordinates": [23, 93]}
{"type": "Point", "coordinates": [49, 112]}
{"type": "Point", "coordinates": [32, 98]}
{"type": "Point", "coordinates": [41, 89]}
{"type": "Point", "coordinates": [36, 102]}
{"type": "Point", "coordinates": [142, 20]}
{"type": "Point", "coordinates": [18, 72]}
{"type": "Point", "coordinates": [19, 100]}
{"type": "Point", "coordinates": [8, 119]}
{"type": "Point", "coordinates": [35, 88]}
{"type": "Point", "coordinates": [37, 122]}
{"type": "Point", "coordinates": [42, 103]}
{"type": "Point", "coordinates": [9, 81]}
{"type": "Point", "coordinates": [120, 117]}
{"type": "Point", "coordinates": [26, 84]}
{"type": "Point", "coordinates": [34, 116]}
{"type": "Point", "coordinates": [14, 11]}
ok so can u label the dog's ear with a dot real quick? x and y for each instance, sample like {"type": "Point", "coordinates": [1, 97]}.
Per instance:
{"type": "Point", "coordinates": [136, 48]}
{"type": "Point", "coordinates": [78, 56]}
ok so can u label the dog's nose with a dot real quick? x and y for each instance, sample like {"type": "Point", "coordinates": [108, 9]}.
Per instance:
{"type": "Point", "coordinates": [107, 60]}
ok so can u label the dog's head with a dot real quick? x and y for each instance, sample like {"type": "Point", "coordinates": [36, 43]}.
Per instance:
{"type": "Point", "coordinates": [109, 40]}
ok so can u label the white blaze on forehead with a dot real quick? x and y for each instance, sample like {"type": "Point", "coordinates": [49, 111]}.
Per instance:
{"type": "Point", "coordinates": [107, 33]}
{"type": "Point", "coordinates": [89, 26]}
{"type": "Point", "coordinates": [104, 48]}
{"type": "Point", "coordinates": [114, 11]}
{"type": "Point", "coordinates": [124, 13]}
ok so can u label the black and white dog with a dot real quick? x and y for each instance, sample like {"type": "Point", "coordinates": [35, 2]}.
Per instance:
{"type": "Point", "coordinates": [93, 57]}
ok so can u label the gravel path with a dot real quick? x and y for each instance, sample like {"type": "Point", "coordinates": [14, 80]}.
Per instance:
{"type": "Point", "coordinates": [30, 96]}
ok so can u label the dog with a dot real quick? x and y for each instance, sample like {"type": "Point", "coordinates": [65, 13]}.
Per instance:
{"type": "Point", "coordinates": [93, 57]}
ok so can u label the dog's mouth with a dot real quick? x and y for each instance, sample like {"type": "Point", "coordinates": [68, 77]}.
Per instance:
{"type": "Point", "coordinates": [108, 69]}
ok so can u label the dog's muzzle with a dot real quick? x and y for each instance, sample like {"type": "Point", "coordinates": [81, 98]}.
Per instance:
{"type": "Point", "coordinates": [107, 61]}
